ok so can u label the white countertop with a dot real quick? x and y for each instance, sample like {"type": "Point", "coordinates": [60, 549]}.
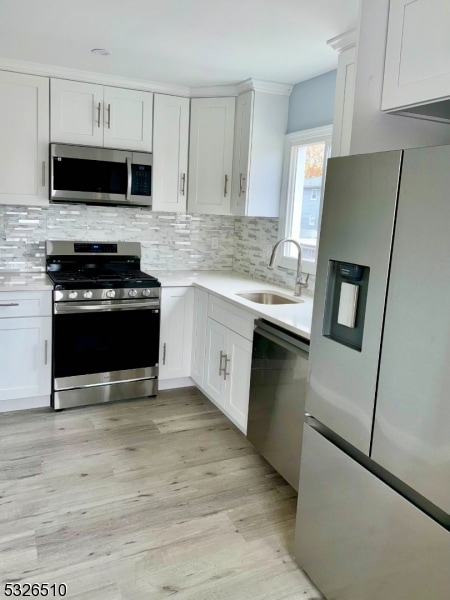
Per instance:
{"type": "Point", "coordinates": [12, 281]}
{"type": "Point", "coordinates": [225, 284]}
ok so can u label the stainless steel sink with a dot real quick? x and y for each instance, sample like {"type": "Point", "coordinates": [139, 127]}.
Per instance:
{"type": "Point", "coordinates": [262, 297]}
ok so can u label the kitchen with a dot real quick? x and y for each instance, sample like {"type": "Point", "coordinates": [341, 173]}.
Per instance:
{"type": "Point", "coordinates": [65, 223]}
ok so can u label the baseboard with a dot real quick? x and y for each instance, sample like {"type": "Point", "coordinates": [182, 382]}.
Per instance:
{"type": "Point", "coordinates": [24, 403]}
{"type": "Point", "coordinates": [171, 384]}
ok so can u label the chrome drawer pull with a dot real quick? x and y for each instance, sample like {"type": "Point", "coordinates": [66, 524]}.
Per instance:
{"type": "Point", "coordinates": [10, 304]}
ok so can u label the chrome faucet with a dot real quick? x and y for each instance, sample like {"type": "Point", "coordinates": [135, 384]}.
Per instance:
{"type": "Point", "coordinates": [299, 282]}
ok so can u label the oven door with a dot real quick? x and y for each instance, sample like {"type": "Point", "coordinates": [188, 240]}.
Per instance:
{"type": "Point", "coordinates": [95, 343]}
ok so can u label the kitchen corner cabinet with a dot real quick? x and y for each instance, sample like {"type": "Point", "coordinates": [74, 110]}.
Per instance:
{"type": "Point", "coordinates": [175, 348]}
{"type": "Point", "coordinates": [228, 356]}
{"type": "Point", "coordinates": [211, 155]}
{"type": "Point", "coordinates": [96, 115]}
{"type": "Point", "coordinates": [25, 349]}
{"type": "Point", "coordinates": [417, 64]}
{"type": "Point", "coordinates": [170, 153]}
{"type": "Point", "coordinates": [24, 138]}
{"type": "Point", "coordinates": [260, 129]}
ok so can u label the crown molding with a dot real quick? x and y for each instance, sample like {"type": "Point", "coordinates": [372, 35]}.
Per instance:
{"type": "Point", "coordinates": [212, 91]}
{"type": "Point", "coordinates": [258, 85]}
{"type": "Point", "coordinates": [45, 70]}
{"type": "Point", "coordinates": [343, 41]}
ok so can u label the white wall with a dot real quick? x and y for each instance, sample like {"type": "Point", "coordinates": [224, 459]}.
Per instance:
{"type": "Point", "coordinates": [373, 130]}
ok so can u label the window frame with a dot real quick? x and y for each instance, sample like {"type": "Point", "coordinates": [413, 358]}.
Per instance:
{"type": "Point", "coordinates": [300, 138]}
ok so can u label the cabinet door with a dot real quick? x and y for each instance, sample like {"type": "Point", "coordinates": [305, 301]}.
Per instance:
{"type": "Point", "coordinates": [242, 135]}
{"type": "Point", "coordinates": [25, 357]}
{"type": "Point", "coordinates": [214, 382]}
{"type": "Point", "coordinates": [176, 332]}
{"type": "Point", "coordinates": [239, 362]}
{"type": "Point", "coordinates": [343, 104]}
{"type": "Point", "coordinates": [127, 119]}
{"type": "Point", "coordinates": [170, 149]}
{"type": "Point", "coordinates": [417, 65]}
{"type": "Point", "coordinates": [211, 155]}
{"type": "Point", "coordinates": [24, 108]}
{"type": "Point", "coordinates": [199, 335]}
{"type": "Point", "coordinates": [76, 113]}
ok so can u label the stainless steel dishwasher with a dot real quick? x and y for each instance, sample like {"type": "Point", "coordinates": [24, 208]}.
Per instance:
{"type": "Point", "coordinates": [277, 397]}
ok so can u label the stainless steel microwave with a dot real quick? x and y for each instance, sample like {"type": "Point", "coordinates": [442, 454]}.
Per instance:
{"type": "Point", "coordinates": [84, 174]}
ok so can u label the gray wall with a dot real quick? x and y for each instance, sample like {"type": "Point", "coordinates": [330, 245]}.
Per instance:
{"type": "Point", "coordinates": [311, 103]}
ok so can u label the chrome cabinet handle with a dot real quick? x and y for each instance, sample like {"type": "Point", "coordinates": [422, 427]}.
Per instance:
{"type": "Point", "coordinates": [43, 173]}
{"type": "Point", "coordinates": [225, 187]}
{"type": "Point", "coordinates": [183, 183]}
{"type": "Point", "coordinates": [222, 356]}
{"type": "Point", "coordinates": [241, 182]}
{"type": "Point", "coordinates": [10, 304]}
{"type": "Point", "coordinates": [164, 353]}
{"type": "Point", "coordinates": [109, 116]}
{"type": "Point", "coordinates": [225, 372]}
{"type": "Point", "coordinates": [45, 352]}
{"type": "Point", "coordinates": [99, 108]}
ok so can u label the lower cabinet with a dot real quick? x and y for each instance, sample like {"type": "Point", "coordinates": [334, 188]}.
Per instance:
{"type": "Point", "coordinates": [25, 350]}
{"type": "Point", "coordinates": [227, 369]}
{"type": "Point", "coordinates": [199, 335]}
{"type": "Point", "coordinates": [175, 348]}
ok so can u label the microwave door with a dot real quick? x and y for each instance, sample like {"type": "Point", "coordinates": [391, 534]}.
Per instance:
{"type": "Point", "coordinates": [93, 175]}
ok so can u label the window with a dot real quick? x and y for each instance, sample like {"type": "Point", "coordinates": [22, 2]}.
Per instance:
{"type": "Point", "coordinates": [306, 154]}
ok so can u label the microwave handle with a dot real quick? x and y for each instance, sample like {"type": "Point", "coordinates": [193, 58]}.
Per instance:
{"type": "Point", "coordinates": [128, 192]}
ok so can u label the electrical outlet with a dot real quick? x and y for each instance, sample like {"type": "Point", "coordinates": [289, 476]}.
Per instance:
{"type": "Point", "coordinates": [214, 242]}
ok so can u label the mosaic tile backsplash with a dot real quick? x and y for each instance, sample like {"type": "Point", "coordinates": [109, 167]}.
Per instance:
{"type": "Point", "coordinates": [169, 241]}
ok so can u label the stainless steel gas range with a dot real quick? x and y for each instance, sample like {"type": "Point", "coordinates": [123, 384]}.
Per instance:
{"type": "Point", "coordinates": [106, 320]}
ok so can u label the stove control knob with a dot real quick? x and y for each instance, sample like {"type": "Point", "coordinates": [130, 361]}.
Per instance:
{"type": "Point", "coordinates": [132, 293]}
{"type": "Point", "coordinates": [111, 294]}
{"type": "Point", "coordinates": [87, 294]}
{"type": "Point", "coordinates": [73, 295]}
{"type": "Point", "coordinates": [146, 293]}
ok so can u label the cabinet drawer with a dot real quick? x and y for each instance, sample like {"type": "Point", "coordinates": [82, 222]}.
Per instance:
{"type": "Point", "coordinates": [236, 319]}
{"type": "Point", "coordinates": [25, 304]}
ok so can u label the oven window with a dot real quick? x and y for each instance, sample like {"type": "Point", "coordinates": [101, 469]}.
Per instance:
{"type": "Point", "coordinates": [101, 342]}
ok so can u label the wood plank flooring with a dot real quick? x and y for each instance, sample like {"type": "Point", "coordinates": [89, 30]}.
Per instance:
{"type": "Point", "coordinates": [147, 499]}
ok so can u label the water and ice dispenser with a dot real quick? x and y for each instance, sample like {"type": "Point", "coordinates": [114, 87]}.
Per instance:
{"type": "Point", "coordinates": [345, 304]}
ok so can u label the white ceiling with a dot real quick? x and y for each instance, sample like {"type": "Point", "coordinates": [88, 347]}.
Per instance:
{"type": "Point", "coordinates": [184, 42]}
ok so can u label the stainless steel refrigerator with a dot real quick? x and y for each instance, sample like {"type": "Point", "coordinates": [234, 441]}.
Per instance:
{"type": "Point", "coordinates": [373, 518]}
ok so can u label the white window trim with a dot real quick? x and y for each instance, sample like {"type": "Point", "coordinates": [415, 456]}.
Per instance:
{"type": "Point", "coordinates": [317, 134]}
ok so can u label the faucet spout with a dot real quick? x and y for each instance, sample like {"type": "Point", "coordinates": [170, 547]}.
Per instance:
{"type": "Point", "coordinates": [299, 283]}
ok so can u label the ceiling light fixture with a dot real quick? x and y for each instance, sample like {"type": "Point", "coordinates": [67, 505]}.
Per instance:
{"type": "Point", "coordinates": [101, 51]}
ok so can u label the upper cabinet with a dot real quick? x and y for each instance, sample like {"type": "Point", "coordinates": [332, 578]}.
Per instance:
{"type": "Point", "coordinates": [260, 129]}
{"type": "Point", "coordinates": [170, 153]}
{"type": "Point", "coordinates": [24, 138]}
{"type": "Point", "coordinates": [417, 65]}
{"type": "Point", "coordinates": [211, 155]}
{"type": "Point", "coordinates": [96, 115]}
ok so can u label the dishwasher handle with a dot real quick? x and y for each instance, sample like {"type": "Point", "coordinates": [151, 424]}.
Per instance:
{"type": "Point", "coordinates": [282, 338]}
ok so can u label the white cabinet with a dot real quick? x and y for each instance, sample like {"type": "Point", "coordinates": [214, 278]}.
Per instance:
{"type": "Point", "coordinates": [260, 129]}
{"type": "Point", "coordinates": [345, 44]}
{"type": "Point", "coordinates": [24, 138]}
{"type": "Point", "coordinates": [25, 350]}
{"type": "Point", "coordinates": [170, 153]}
{"type": "Point", "coordinates": [228, 356]}
{"type": "Point", "coordinates": [417, 65]}
{"type": "Point", "coordinates": [175, 349]}
{"type": "Point", "coordinates": [199, 335]}
{"type": "Point", "coordinates": [211, 155]}
{"type": "Point", "coordinates": [96, 115]}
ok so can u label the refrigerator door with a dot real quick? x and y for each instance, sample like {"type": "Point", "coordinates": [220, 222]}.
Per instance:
{"type": "Point", "coordinates": [357, 224]}
{"type": "Point", "coordinates": [412, 420]}
{"type": "Point", "coordinates": [358, 539]}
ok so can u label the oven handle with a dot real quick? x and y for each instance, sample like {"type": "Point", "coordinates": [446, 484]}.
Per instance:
{"type": "Point", "coordinates": [79, 307]}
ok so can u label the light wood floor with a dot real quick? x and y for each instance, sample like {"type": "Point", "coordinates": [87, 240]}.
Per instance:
{"type": "Point", "coordinates": [144, 500]}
